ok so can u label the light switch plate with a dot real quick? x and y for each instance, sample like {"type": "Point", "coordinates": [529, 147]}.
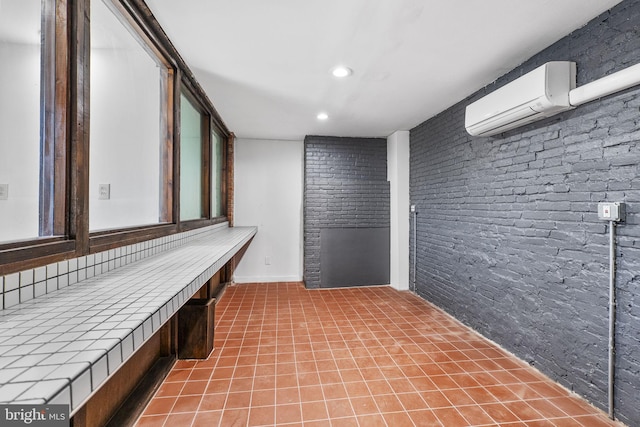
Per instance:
{"type": "Point", "coordinates": [104, 191]}
{"type": "Point", "coordinates": [4, 191]}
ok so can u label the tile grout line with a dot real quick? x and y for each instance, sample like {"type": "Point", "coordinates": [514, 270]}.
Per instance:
{"type": "Point", "coordinates": [356, 328]}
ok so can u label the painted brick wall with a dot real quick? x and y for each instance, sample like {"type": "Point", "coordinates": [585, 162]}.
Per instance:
{"type": "Point", "coordinates": [508, 236]}
{"type": "Point", "coordinates": [345, 186]}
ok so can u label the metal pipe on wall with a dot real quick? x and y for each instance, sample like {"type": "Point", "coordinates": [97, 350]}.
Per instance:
{"type": "Point", "coordinates": [415, 244]}
{"type": "Point", "coordinates": [612, 212]}
{"type": "Point", "coordinates": [612, 315]}
{"type": "Point", "coordinates": [604, 86]}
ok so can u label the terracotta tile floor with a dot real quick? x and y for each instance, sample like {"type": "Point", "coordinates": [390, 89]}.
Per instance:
{"type": "Point", "coordinates": [370, 357]}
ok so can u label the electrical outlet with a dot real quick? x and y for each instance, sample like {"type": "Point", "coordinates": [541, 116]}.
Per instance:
{"type": "Point", "coordinates": [4, 191]}
{"type": "Point", "coordinates": [267, 260]}
{"type": "Point", "coordinates": [104, 191]}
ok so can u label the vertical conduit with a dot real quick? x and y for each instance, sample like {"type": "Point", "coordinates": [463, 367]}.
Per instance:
{"type": "Point", "coordinates": [415, 246]}
{"type": "Point", "coordinates": [612, 314]}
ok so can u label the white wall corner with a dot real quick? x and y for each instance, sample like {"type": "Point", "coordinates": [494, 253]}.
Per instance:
{"type": "Point", "coordinates": [268, 194]}
{"type": "Point", "coordinates": [398, 176]}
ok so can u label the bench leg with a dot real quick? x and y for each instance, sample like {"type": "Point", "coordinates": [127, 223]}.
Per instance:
{"type": "Point", "coordinates": [195, 328]}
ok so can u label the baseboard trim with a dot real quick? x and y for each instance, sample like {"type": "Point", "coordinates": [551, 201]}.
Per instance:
{"type": "Point", "coordinates": [269, 279]}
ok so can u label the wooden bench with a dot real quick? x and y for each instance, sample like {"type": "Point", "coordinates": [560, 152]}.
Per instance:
{"type": "Point", "coordinates": [62, 347]}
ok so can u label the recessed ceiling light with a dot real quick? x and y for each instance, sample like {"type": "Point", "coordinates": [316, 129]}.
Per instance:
{"type": "Point", "coordinates": [341, 71]}
{"type": "Point", "coordinates": [322, 116]}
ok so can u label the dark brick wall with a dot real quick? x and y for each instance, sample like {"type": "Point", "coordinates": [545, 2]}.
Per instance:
{"type": "Point", "coordinates": [345, 186]}
{"type": "Point", "coordinates": [508, 235]}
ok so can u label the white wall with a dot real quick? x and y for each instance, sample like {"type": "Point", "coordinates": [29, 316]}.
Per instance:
{"type": "Point", "coordinates": [268, 194]}
{"type": "Point", "coordinates": [398, 175]}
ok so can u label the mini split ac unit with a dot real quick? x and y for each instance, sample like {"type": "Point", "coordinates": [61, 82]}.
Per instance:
{"type": "Point", "coordinates": [540, 93]}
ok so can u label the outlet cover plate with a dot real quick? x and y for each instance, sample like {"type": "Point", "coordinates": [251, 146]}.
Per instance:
{"type": "Point", "coordinates": [104, 191]}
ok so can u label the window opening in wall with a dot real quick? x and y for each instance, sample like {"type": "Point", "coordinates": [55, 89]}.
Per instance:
{"type": "Point", "coordinates": [20, 109]}
{"type": "Point", "coordinates": [217, 166]}
{"type": "Point", "coordinates": [191, 160]}
{"type": "Point", "coordinates": [127, 150]}
{"type": "Point", "coordinates": [69, 187]}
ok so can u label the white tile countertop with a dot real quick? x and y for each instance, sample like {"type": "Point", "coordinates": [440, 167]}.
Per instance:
{"type": "Point", "coordinates": [59, 348]}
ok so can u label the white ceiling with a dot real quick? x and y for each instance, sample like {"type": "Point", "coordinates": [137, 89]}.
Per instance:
{"type": "Point", "coordinates": [265, 64]}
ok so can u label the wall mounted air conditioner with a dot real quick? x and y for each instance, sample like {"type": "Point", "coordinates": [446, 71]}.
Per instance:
{"type": "Point", "coordinates": [540, 93]}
